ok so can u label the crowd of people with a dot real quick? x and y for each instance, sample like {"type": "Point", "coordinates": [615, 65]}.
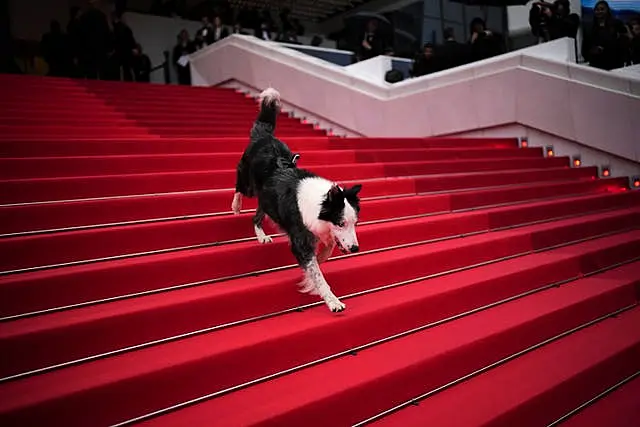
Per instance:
{"type": "Point", "coordinates": [608, 43]}
{"type": "Point", "coordinates": [94, 47]}
{"type": "Point", "coordinates": [483, 43]}
{"type": "Point", "coordinates": [97, 47]}
{"type": "Point", "coordinates": [215, 30]}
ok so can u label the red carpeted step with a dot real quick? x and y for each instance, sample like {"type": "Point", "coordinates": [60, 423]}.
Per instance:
{"type": "Point", "coordinates": [437, 141]}
{"type": "Point", "coordinates": [141, 94]}
{"type": "Point", "coordinates": [620, 408]}
{"type": "Point", "coordinates": [377, 377]}
{"type": "Point", "coordinates": [24, 252]}
{"type": "Point", "coordinates": [183, 103]}
{"type": "Point", "coordinates": [112, 120]}
{"type": "Point", "coordinates": [229, 131]}
{"type": "Point", "coordinates": [365, 382]}
{"type": "Point", "coordinates": [41, 167]}
{"type": "Point", "coordinates": [127, 104]}
{"type": "Point", "coordinates": [10, 132]}
{"type": "Point", "coordinates": [110, 185]}
{"type": "Point", "coordinates": [32, 217]}
{"type": "Point", "coordinates": [158, 206]}
{"type": "Point", "coordinates": [204, 116]}
{"type": "Point", "coordinates": [539, 387]}
{"type": "Point", "coordinates": [126, 130]}
{"type": "Point", "coordinates": [40, 290]}
{"type": "Point", "coordinates": [202, 307]}
{"type": "Point", "coordinates": [103, 146]}
{"type": "Point", "coordinates": [71, 120]}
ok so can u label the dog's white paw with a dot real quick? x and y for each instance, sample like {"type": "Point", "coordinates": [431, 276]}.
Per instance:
{"type": "Point", "coordinates": [335, 305]}
{"type": "Point", "coordinates": [265, 239]}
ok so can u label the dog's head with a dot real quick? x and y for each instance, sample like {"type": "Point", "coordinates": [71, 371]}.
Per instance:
{"type": "Point", "coordinates": [340, 208]}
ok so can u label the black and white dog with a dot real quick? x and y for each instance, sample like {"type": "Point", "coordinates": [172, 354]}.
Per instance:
{"type": "Point", "coordinates": [311, 210]}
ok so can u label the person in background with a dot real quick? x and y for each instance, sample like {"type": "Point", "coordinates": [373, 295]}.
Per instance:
{"type": "Point", "coordinates": [450, 53]}
{"type": "Point", "coordinates": [56, 51]}
{"type": "Point", "coordinates": [219, 30]}
{"type": "Point", "coordinates": [605, 43]}
{"type": "Point", "coordinates": [553, 21]}
{"type": "Point", "coordinates": [183, 48]}
{"type": "Point", "coordinates": [482, 41]}
{"type": "Point", "coordinates": [96, 41]}
{"type": "Point", "coordinates": [237, 29]}
{"type": "Point", "coordinates": [425, 63]}
{"type": "Point", "coordinates": [290, 37]}
{"type": "Point", "coordinates": [141, 65]}
{"type": "Point", "coordinates": [634, 29]}
{"type": "Point", "coordinates": [205, 35]}
{"type": "Point", "coordinates": [264, 31]}
{"type": "Point", "coordinates": [564, 23]}
{"type": "Point", "coordinates": [372, 43]}
{"type": "Point", "coordinates": [74, 34]}
{"type": "Point", "coordinates": [124, 44]}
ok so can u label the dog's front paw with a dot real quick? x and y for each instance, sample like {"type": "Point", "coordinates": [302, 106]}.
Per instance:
{"type": "Point", "coordinates": [265, 239]}
{"type": "Point", "coordinates": [335, 305]}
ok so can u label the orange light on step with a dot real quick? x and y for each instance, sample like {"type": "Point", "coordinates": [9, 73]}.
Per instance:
{"type": "Point", "coordinates": [576, 161]}
{"type": "Point", "coordinates": [549, 151]}
{"type": "Point", "coordinates": [605, 171]}
{"type": "Point", "coordinates": [635, 182]}
{"type": "Point", "coordinates": [524, 142]}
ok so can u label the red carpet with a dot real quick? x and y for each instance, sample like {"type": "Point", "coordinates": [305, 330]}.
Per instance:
{"type": "Point", "coordinates": [495, 286]}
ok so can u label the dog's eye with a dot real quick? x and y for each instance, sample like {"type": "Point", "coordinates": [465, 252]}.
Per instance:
{"type": "Point", "coordinates": [341, 224]}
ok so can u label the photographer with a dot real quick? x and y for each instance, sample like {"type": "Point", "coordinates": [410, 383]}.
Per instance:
{"type": "Point", "coordinates": [553, 21]}
{"type": "Point", "coordinates": [483, 43]}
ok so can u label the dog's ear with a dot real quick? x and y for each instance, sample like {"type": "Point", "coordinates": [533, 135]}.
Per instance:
{"type": "Point", "coordinates": [355, 189]}
{"type": "Point", "coordinates": [334, 193]}
{"type": "Point", "coordinates": [351, 194]}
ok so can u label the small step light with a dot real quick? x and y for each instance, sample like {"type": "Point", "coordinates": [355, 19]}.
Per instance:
{"type": "Point", "coordinates": [524, 142]}
{"type": "Point", "coordinates": [549, 151]}
{"type": "Point", "coordinates": [635, 182]}
{"type": "Point", "coordinates": [605, 171]}
{"type": "Point", "coordinates": [576, 161]}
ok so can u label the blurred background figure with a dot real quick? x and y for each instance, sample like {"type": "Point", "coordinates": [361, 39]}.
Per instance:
{"type": "Point", "coordinates": [606, 42]}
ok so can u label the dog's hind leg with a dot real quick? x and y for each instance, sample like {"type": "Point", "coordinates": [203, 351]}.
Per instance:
{"type": "Point", "coordinates": [242, 186]}
{"type": "Point", "coordinates": [303, 247]}
{"type": "Point", "coordinates": [257, 226]}
{"type": "Point", "coordinates": [236, 204]}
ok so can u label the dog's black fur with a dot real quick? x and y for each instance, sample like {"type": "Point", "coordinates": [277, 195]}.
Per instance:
{"type": "Point", "coordinates": [264, 154]}
{"type": "Point", "coordinates": [268, 171]}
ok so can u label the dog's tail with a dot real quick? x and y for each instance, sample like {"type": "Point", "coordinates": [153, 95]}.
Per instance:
{"type": "Point", "coordinates": [270, 106]}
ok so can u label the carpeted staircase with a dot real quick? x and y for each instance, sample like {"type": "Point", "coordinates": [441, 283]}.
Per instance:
{"type": "Point", "coordinates": [495, 286]}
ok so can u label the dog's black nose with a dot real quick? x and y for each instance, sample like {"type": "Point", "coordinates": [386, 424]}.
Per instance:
{"type": "Point", "coordinates": [353, 249]}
